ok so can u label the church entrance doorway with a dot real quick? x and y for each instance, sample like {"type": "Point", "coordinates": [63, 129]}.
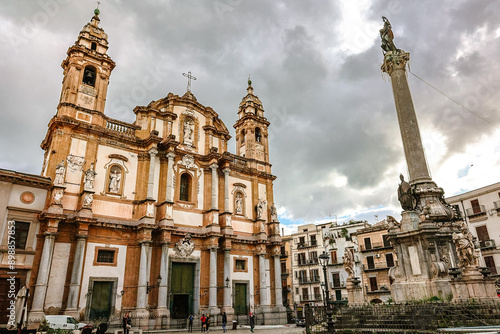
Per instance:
{"type": "Point", "coordinates": [240, 299]}
{"type": "Point", "coordinates": [100, 306]}
{"type": "Point", "coordinates": [182, 289]}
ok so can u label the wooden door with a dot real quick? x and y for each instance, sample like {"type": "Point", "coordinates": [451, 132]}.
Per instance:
{"type": "Point", "coordinates": [240, 298]}
{"type": "Point", "coordinates": [100, 306]}
{"type": "Point", "coordinates": [182, 289]}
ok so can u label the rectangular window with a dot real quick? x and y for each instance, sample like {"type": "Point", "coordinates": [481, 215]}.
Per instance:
{"type": "Point", "coordinates": [373, 284]}
{"type": "Point", "coordinates": [490, 263]}
{"type": "Point", "coordinates": [336, 280]}
{"type": "Point", "coordinates": [302, 241]}
{"type": "Point", "coordinates": [240, 265]}
{"type": "Point", "coordinates": [368, 243]}
{"type": "Point", "coordinates": [317, 293]}
{"type": "Point", "coordinates": [283, 267]}
{"type": "Point", "coordinates": [313, 256]}
{"type": "Point", "coordinates": [21, 234]}
{"type": "Point", "coordinates": [369, 262]}
{"type": "Point", "coordinates": [313, 240]}
{"type": "Point", "coordinates": [105, 256]}
{"type": "Point", "coordinates": [387, 243]}
{"type": "Point", "coordinates": [305, 294]}
{"type": "Point", "coordinates": [476, 208]}
{"type": "Point", "coordinates": [334, 256]}
{"type": "Point", "coordinates": [389, 260]}
{"type": "Point", "coordinates": [302, 258]}
{"type": "Point", "coordinates": [314, 275]}
{"type": "Point", "coordinates": [297, 291]}
{"type": "Point", "coordinates": [302, 276]}
{"type": "Point", "coordinates": [482, 233]}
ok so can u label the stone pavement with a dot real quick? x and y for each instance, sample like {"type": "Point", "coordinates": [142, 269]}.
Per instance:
{"type": "Point", "coordinates": [281, 329]}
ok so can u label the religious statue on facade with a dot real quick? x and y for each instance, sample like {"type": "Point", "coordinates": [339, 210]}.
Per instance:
{"type": "Point", "coordinates": [348, 260]}
{"type": "Point", "coordinates": [387, 36]}
{"type": "Point", "coordinates": [260, 209]}
{"type": "Point", "coordinates": [114, 180]}
{"type": "Point", "coordinates": [239, 204]}
{"type": "Point", "coordinates": [89, 177]}
{"type": "Point", "coordinates": [274, 213]}
{"type": "Point", "coordinates": [405, 195]}
{"type": "Point", "coordinates": [60, 172]}
{"type": "Point", "coordinates": [188, 131]}
{"type": "Point", "coordinates": [464, 243]}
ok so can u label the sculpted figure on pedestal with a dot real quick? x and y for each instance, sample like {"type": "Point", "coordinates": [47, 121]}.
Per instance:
{"type": "Point", "coordinates": [114, 180]}
{"type": "Point", "coordinates": [274, 213]}
{"type": "Point", "coordinates": [60, 172]}
{"type": "Point", "coordinates": [239, 204]}
{"type": "Point", "coordinates": [348, 259]}
{"type": "Point", "coordinates": [88, 180]}
{"type": "Point", "coordinates": [405, 196]}
{"type": "Point", "coordinates": [464, 244]}
{"type": "Point", "coordinates": [260, 209]}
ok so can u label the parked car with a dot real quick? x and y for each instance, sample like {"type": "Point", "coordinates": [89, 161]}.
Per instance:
{"type": "Point", "coordinates": [63, 322]}
{"type": "Point", "coordinates": [301, 322]}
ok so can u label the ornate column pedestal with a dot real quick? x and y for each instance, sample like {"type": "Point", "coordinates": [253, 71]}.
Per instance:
{"type": "Point", "coordinates": [472, 285]}
{"type": "Point", "coordinates": [354, 292]}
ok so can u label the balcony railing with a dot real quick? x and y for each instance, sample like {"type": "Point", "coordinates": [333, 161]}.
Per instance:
{"type": "Point", "coordinates": [487, 244]}
{"type": "Point", "coordinates": [285, 273]}
{"type": "Point", "coordinates": [311, 298]}
{"type": "Point", "coordinates": [373, 246]}
{"type": "Point", "coordinates": [336, 263]}
{"type": "Point", "coordinates": [309, 262]}
{"type": "Point", "coordinates": [120, 127]}
{"type": "Point", "coordinates": [337, 285]}
{"type": "Point", "coordinates": [474, 212]}
{"type": "Point", "coordinates": [284, 254]}
{"type": "Point", "coordinates": [307, 244]}
{"type": "Point", "coordinates": [376, 266]}
{"type": "Point", "coordinates": [311, 280]}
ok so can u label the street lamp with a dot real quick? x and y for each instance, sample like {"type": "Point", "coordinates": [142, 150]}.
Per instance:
{"type": "Point", "coordinates": [150, 287]}
{"type": "Point", "coordinates": [323, 260]}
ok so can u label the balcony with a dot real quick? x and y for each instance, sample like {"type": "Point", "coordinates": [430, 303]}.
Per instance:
{"type": "Point", "coordinates": [307, 244]}
{"type": "Point", "coordinates": [309, 262]}
{"type": "Point", "coordinates": [374, 246]}
{"type": "Point", "coordinates": [476, 211]}
{"type": "Point", "coordinates": [335, 264]}
{"type": "Point", "coordinates": [285, 273]}
{"type": "Point", "coordinates": [376, 267]}
{"type": "Point", "coordinates": [120, 127]}
{"type": "Point", "coordinates": [312, 298]}
{"type": "Point", "coordinates": [284, 254]}
{"type": "Point", "coordinates": [337, 285]}
{"type": "Point", "coordinates": [487, 244]}
{"type": "Point", "coordinates": [312, 280]}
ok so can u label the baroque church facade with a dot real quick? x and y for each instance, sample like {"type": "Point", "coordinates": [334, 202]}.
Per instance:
{"type": "Point", "coordinates": [155, 218]}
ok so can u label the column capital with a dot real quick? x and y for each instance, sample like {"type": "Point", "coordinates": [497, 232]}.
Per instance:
{"type": "Point", "coordinates": [153, 151]}
{"type": "Point", "coordinates": [214, 166]}
{"type": "Point", "coordinates": [226, 170]}
{"type": "Point", "coordinates": [170, 155]}
{"type": "Point", "coordinates": [395, 60]}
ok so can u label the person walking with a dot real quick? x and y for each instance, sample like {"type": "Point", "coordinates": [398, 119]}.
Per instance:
{"type": "Point", "coordinates": [224, 322]}
{"type": "Point", "coordinates": [252, 322]}
{"type": "Point", "coordinates": [207, 321]}
{"type": "Point", "coordinates": [190, 323]}
{"type": "Point", "coordinates": [126, 323]}
{"type": "Point", "coordinates": [203, 322]}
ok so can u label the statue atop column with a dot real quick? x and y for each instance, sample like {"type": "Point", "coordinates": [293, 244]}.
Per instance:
{"type": "Point", "coordinates": [405, 195]}
{"type": "Point", "coordinates": [274, 213]}
{"type": "Point", "coordinates": [387, 36]}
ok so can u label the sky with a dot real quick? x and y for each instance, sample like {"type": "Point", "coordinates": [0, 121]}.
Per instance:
{"type": "Point", "coordinates": [334, 139]}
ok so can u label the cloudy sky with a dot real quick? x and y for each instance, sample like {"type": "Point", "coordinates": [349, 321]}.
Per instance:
{"type": "Point", "coordinates": [334, 139]}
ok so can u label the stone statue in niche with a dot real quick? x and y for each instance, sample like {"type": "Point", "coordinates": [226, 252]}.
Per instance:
{"type": "Point", "coordinates": [260, 209]}
{"type": "Point", "coordinates": [88, 179]}
{"type": "Point", "coordinates": [348, 260]}
{"type": "Point", "coordinates": [60, 172]}
{"type": "Point", "coordinates": [188, 131]}
{"type": "Point", "coordinates": [274, 213]}
{"type": "Point", "coordinates": [184, 247]}
{"type": "Point", "coordinates": [405, 195]}
{"type": "Point", "coordinates": [239, 204]}
{"type": "Point", "coordinates": [114, 179]}
{"type": "Point", "coordinates": [464, 244]}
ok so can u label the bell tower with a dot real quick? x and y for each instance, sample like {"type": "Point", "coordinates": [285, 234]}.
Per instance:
{"type": "Point", "coordinates": [86, 71]}
{"type": "Point", "coordinates": [252, 128]}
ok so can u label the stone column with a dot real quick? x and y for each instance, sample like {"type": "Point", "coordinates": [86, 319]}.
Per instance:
{"type": "Point", "coordinates": [395, 66]}
{"type": "Point", "coordinates": [262, 280]}
{"type": "Point", "coordinates": [144, 267]}
{"type": "Point", "coordinates": [170, 177]}
{"type": "Point", "coordinates": [163, 288]}
{"type": "Point", "coordinates": [226, 190]}
{"type": "Point", "coordinates": [227, 274]}
{"type": "Point", "coordinates": [76, 275]}
{"type": "Point", "coordinates": [215, 187]}
{"type": "Point", "coordinates": [152, 159]}
{"type": "Point", "coordinates": [43, 277]}
{"type": "Point", "coordinates": [277, 280]}
{"type": "Point", "coordinates": [212, 292]}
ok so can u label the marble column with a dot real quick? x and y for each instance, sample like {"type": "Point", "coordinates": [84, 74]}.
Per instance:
{"type": "Point", "coordinates": [152, 159]}
{"type": "Point", "coordinates": [163, 288]}
{"type": "Point", "coordinates": [215, 187]}
{"type": "Point", "coordinates": [212, 292]}
{"type": "Point", "coordinates": [144, 267]}
{"type": "Point", "coordinates": [43, 274]}
{"type": "Point", "coordinates": [262, 280]}
{"type": "Point", "coordinates": [170, 177]}
{"type": "Point", "coordinates": [395, 66]}
{"type": "Point", "coordinates": [226, 190]}
{"type": "Point", "coordinates": [76, 274]}
{"type": "Point", "coordinates": [227, 274]}
{"type": "Point", "coordinates": [277, 280]}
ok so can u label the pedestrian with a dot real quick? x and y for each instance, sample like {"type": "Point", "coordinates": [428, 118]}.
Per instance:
{"type": "Point", "coordinates": [126, 323]}
{"type": "Point", "coordinates": [252, 322]}
{"type": "Point", "coordinates": [224, 322]}
{"type": "Point", "coordinates": [208, 322]}
{"type": "Point", "coordinates": [203, 323]}
{"type": "Point", "coordinates": [190, 323]}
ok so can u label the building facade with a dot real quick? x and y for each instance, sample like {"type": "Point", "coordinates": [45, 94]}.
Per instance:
{"type": "Point", "coordinates": [22, 199]}
{"type": "Point", "coordinates": [480, 208]}
{"type": "Point", "coordinates": [377, 257]}
{"type": "Point", "coordinates": [154, 217]}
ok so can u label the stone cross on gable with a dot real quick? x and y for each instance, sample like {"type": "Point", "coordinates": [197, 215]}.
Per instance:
{"type": "Point", "coordinates": [189, 76]}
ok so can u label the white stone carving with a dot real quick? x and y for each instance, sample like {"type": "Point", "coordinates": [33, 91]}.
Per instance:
{"type": "Point", "coordinates": [75, 163]}
{"type": "Point", "coordinates": [150, 212]}
{"type": "Point", "coordinates": [188, 131]}
{"type": "Point", "coordinates": [58, 195]}
{"type": "Point", "coordinates": [60, 172]}
{"type": "Point", "coordinates": [348, 260]}
{"type": "Point", "coordinates": [88, 179]}
{"type": "Point", "coordinates": [260, 209]}
{"type": "Point", "coordinates": [184, 247]}
{"type": "Point", "coordinates": [239, 204]}
{"type": "Point", "coordinates": [88, 198]}
{"type": "Point", "coordinates": [188, 161]}
{"type": "Point", "coordinates": [114, 179]}
{"type": "Point", "coordinates": [274, 213]}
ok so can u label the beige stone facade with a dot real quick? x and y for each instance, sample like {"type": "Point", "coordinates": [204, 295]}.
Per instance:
{"type": "Point", "coordinates": [156, 215]}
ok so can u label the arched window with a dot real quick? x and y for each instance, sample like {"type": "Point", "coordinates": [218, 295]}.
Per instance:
{"type": "Point", "coordinates": [243, 133]}
{"type": "Point", "coordinates": [258, 135]}
{"type": "Point", "coordinates": [93, 46]}
{"type": "Point", "coordinates": [115, 180]}
{"type": "Point", "coordinates": [184, 187]}
{"type": "Point", "coordinates": [89, 76]}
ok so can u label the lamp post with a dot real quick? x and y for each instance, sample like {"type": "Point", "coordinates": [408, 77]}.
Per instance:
{"type": "Point", "coordinates": [151, 287]}
{"type": "Point", "coordinates": [323, 260]}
